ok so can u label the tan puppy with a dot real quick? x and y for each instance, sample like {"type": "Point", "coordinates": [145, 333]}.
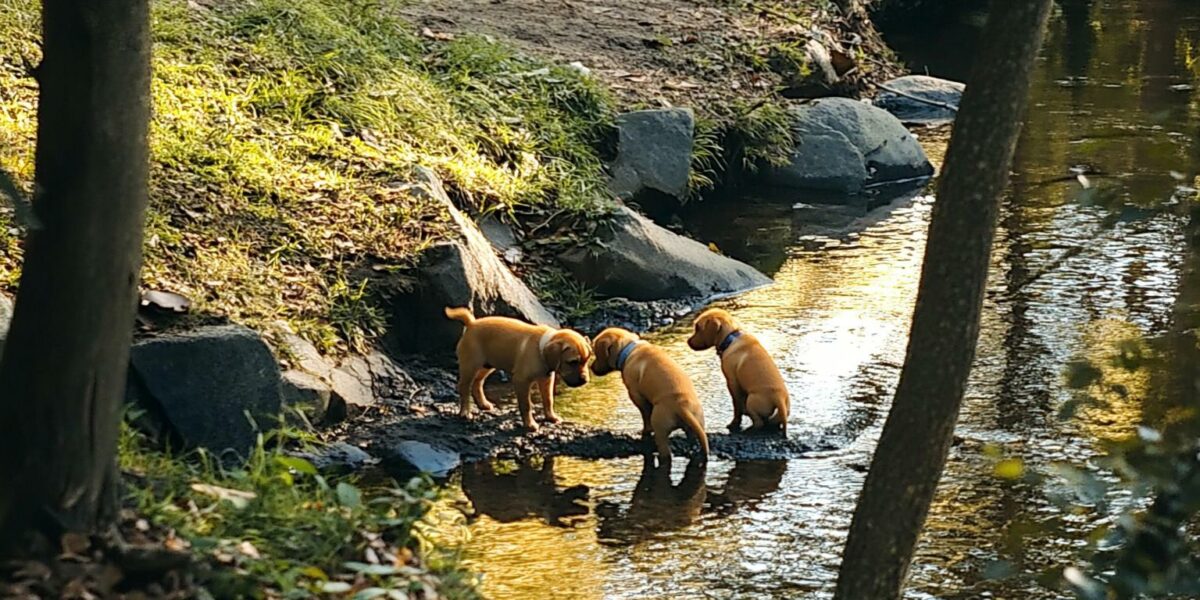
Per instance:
{"type": "Point", "coordinates": [659, 389]}
{"type": "Point", "coordinates": [531, 354]}
{"type": "Point", "coordinates": [753, 379]}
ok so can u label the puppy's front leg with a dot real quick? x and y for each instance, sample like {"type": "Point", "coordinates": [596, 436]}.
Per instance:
{"type": "Point", "coordinates": [524, 389]}
{"type": "Point", "coordinates": [546, 391]}
{"type": "Point", "coordinates": [646, 409]}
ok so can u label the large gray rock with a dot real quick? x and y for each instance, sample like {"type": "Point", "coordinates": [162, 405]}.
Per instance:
{"type": "Point", "coordinates": [939, 95]}
{"type": "Point", "coordinates": [844, 145]}
{"type": "Point", "coordinates": [639, 260]}
{"type": "Point", "coordinates": [654, 155]}
{"type": "Point", "coordinates": [307, 393]}
{"type": "Point", "coordinates": [410, 456]}
{"type": "Point", "coordinates": [302, 355]}
{"type": "Point", "coordinates": [203, 384]}
{"type": "Point", "coordinates": [462, 272]}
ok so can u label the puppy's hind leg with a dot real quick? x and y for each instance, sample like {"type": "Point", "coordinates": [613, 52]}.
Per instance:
{"type": "Point", "coordinates": [477, 390]}
{"type": "Point", "coordinates": [546, 391]}
{"type": "Point", "coordinates": [663, 422]}
{"type": "Point", "coordinates": [466, 378]}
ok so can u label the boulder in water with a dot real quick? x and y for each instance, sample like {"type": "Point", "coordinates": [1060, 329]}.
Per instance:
{"type": "Point", "coordinates": [845, 145]}
{"type": "Point", "coordinates": [636, 259]}
{"type": "Point", "coordinates": [921, 100]}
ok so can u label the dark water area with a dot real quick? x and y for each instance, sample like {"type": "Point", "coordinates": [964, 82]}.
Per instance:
{"type": "Point", "coordinates": [1077, 273]}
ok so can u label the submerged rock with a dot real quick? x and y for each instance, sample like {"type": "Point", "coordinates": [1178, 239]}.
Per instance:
{"type": "Point", "coordinates": [940, 96]}
{"type": "Point", "coordinates": [461, 272]}
{"type": "Point", "coordinates": [635, 258]}
{"type": "Point", "coordinates": [844, 145]}
{"type": "Point", "coordinates": [411, 456]}
{"type": "Point", "coordinates": [654, 157]}
{"type": "Point", "coordinates": [214, 387]}
{"type": "Point", "coordinates": [338, 457]}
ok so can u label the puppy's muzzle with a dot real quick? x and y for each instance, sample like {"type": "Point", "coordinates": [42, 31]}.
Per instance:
{"type": "Point", "coordinates": [696, 344]}
{"type": "Point", "coordinates": [576, 379]}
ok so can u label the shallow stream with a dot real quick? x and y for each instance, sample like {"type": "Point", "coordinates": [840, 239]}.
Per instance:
{"type": "Point", "coordinates": [1112, 95]}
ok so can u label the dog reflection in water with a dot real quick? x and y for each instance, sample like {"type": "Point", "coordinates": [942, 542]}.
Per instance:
{"type": "Point", "coordinates": [657, 506]}
{"type": "Point", "coordinates": [749, 481]}
{"type": "Point", "coordinates": [528, 491]}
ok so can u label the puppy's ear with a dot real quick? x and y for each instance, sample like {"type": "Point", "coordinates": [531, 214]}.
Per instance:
{"type": "Point", "coordinates": [554, 353]}
{"type": "Point", "coordinates": [600, 347]}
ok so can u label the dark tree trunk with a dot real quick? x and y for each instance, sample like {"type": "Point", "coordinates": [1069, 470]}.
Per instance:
{"type": "Point", "coordinates": [917, 435]}
{"type": "Point", "coordinates": [62, 377]}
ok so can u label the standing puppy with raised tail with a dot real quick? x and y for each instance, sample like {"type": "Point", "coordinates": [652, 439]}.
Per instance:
{"type": "Point", "coordinates": [531, 354]}
{"type": "Point", "coordinates": [659, 389]}
{"type": "Point", "coordinates": [753, 379]}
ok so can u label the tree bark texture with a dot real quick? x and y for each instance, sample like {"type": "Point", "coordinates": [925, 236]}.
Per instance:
{"type": "Point", "coordinates": [916, 437]}
{"type": "Point", "coordinates": [63, 372]}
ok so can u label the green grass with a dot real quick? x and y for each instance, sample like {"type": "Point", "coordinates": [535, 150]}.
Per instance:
{"type": "Point", "coordinates": [280, 131]}
{"type": "Point", "coordinates": [274, 527]}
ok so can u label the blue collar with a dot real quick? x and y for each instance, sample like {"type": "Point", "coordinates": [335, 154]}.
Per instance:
{"type": "Point", "coordinates": [724, 345]}
{"type": "Point", "coordinates": [623, 355]}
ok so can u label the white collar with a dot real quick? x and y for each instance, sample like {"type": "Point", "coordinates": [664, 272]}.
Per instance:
{"type": "Point", "coordinates": [545, 341]}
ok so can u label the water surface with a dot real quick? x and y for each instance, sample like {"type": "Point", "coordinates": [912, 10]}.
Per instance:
{"type": "Point", "coordinates": [1073, 271]}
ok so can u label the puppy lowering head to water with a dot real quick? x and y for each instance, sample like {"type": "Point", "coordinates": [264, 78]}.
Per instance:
{"type": "Point", "coordinates": [531, 354]}
{"type": "Point", "coordinates": [659, 389]}
{"type": "Point", "coordinates": [753, 379]}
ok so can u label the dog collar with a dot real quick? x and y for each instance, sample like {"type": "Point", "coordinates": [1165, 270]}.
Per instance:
{"type": "Point", "coordinates": [545, 340]}
{"type": "Point", "coordinates": [623, 355]}
{"type": "Point", "coordinates": [725, 343]}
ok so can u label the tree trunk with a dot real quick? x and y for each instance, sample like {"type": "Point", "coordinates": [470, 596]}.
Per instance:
{"type": "Point", "coordinates": [916, 437]}
{"type": "Point", "coordinates": [62, 377]}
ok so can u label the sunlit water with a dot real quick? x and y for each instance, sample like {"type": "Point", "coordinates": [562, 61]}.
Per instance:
{"type": "Point", "coordinates": [1067, 276]}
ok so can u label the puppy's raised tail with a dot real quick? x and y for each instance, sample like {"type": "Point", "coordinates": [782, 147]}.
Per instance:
{"type": "Point", "coordinates": [693, 424]}
{"type": "Point", "coordinates": [461, 314]}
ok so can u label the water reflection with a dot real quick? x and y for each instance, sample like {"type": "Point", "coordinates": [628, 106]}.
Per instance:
{"type": "Point", "coordinates": [526, 490]}
{"type": "Point", "coordinates": [656, 506]}
{"type": "Point", "coordinates": [1076, 273]}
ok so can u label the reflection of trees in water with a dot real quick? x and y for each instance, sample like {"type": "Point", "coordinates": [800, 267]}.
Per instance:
{"type": "Point", "coordinates": [510, 493]}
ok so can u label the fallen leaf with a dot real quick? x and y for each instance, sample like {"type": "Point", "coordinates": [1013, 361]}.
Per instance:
{"type": "Point", "coordinates": [439, 36]}
{"type": "Point", "coordinates": [237, 498]}
{"type": "Point", "coordinates": [166, 301]}
{"type": "Point", "coordinates": [248, 549]}
{"type": "Point", "coordinates": [75, 544]}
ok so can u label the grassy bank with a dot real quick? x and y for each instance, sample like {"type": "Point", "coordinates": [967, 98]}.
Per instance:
{"type": "Point", "coordinates": [281, 129]}
{"type": "Point", "coordinates": [275, 528]}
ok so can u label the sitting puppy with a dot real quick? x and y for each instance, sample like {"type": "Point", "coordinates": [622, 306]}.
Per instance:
{"type": "Point", "coordinates": [532, 354]}
{"type": "Point", "coordinates": [658, 387]}
{"type": "Point", "coordinates": [754, 381]}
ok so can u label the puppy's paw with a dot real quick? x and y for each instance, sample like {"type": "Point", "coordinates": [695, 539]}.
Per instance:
{"type": "Point", "coordinates": [532, 426]}
{"type": "Point", "coordinates": [464, 414]}
{"type": "Point", "coordinates": [553, 418]}
{"type": "Point", "coordinates": [486, 406]}
{"type": "Point", "coordinates": [734, 427]}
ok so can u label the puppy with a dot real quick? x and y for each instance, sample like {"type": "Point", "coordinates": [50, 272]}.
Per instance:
{"type": "Point", "coordinates": [660, 390]}
{"type": "Point", "coordinates": [531, 354]}
{"type": "Point", "coordinates": [753, 379]}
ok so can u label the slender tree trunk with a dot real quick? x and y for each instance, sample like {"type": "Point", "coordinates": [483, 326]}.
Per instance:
{"type": "Point", "coordinates": [917, 435]}
{"type": "Point", "coordinates": [62, 377]}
